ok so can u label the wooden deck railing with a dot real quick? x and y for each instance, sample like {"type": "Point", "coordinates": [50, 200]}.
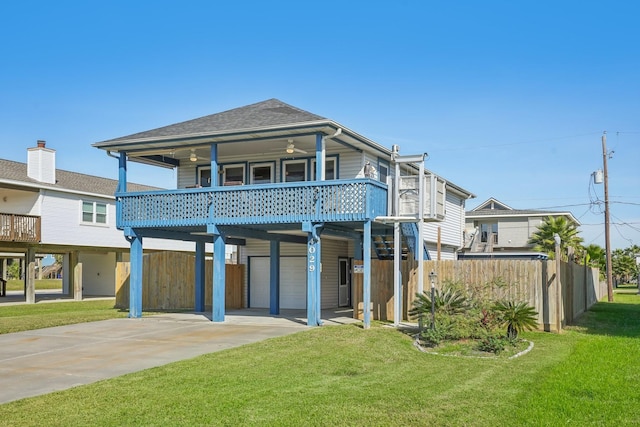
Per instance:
{"type": "Point", "coordinates": [334, 201]}
{"type": "Point", "coordinates": [19, 228]}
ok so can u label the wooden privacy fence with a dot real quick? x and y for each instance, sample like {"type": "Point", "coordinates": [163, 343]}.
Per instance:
{"type": "Point", "coordinates": [168, 282]}
{"type": "Point", "coordinates": [557, 299]}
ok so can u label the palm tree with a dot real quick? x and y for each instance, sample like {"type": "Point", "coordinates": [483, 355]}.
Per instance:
{"type": "Point", "coordinates": [543, 237]}
{"type": "Point", "coordinates": [596, 257]}
{"type": "Point", "coordinates": [517, 317]}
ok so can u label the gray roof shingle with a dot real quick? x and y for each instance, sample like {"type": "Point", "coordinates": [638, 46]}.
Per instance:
{"type": "Point", "coordinates": [509, 212]}
{"type": "Point", "coordinates": [65, 180]}
{"type": "Point", "coordinates": [272, 112]}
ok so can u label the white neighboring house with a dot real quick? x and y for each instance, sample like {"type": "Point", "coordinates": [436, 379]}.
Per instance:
{"type": "Point", "coordinates": [48, 211]}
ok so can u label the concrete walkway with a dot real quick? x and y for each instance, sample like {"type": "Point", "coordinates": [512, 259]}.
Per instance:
{"type": "Point", "coordinates": [46, 360]}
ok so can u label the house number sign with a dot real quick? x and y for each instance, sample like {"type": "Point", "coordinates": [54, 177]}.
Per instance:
{"type": "Point", "coordinates": [311, 258]}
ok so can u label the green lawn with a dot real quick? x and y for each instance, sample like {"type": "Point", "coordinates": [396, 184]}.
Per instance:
{"type": "Point", "coordinates": [344, 375]}
{"type": "Point", "coordinates": [23, 317]}
{"type": "Point", "coordinates": [18, 285]}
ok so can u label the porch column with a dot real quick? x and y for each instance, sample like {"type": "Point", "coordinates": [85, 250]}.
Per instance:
{"type": "Point", "coordinates": [320, 157]}
{"type": "Point", "coordinates": [30, 276]}
{"type": "Point", "coordinates": [76, 276]}
{"type": "Point", "coordinates": [135, 276]}
{"type": "Point", "coordinates": [219, 278]}
{"type": "Point", "coordinates": [214, 166]}
{"type": "Point", "coordinates": [366, 283]}
{"type": "Point", "coordinates": [200, 272]}
{"type": "Point", "coordinates": [313, 273]}
{"type": "Point", "coordinates": [122, 172]}
{"type": "Point", "coordinates": [274, 278]}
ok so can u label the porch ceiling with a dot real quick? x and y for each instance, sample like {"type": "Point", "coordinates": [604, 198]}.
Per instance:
{"type": "Point", "coordinates": [343, 230]}
{"type": "Point", "coordinates": [272, 143]}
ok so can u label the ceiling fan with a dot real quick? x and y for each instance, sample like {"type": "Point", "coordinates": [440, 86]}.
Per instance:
{"type": "Point", "coordinates": [194, 157]}
{"type": "Point", "coordinates": [291, 148]}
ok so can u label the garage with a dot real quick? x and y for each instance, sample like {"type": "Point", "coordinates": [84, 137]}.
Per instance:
{"type": "Point", "coordinates": [293, 282]}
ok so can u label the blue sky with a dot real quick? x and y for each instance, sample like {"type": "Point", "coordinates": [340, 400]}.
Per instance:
{"type": "Point", "coordinates": [510, 99]}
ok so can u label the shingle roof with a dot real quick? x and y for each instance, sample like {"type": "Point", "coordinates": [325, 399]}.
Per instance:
{"type": "Point", "coordinates": [65, 180]}
{"type": "Point", "coordinates": [272, 112]}
{"type": "Point", "coordinates": [511, 212]}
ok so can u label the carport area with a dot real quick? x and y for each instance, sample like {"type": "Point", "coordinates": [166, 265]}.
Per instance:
{"type": "Point", "coordinates": [46, 360]}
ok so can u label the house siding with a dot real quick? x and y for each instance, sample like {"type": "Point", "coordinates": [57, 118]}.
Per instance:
{"type": "Point", "coordinates": [450, 229]}
{"type": "Point", "coordinates": [350, 162]}
{"type": "Point", "coordinates": [513, 232]}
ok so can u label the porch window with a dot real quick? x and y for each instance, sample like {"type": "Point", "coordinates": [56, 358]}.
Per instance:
{"type": "Point", "coordinates": [262, 173]}
{"type": "Point", "coordinates": [329, 168]}
{"type": "Point", "coordinates": [204, 176]}
{"type": "Point", "coordinates": [489, 231]}
{"type": "Point", "coordinates": [233, 174]}
{"type": "Point", "coordinates": [94, 212]}
{"type": "Point", "coordinates": [383, 171]}
{"type": "Point", "coordinates": [294, 170]}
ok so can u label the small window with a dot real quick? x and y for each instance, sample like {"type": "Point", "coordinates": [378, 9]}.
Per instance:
{"type": "Point", "coordinates": [383, 171]}
{"type": "Point", "coordinates": [295, 171]}
{"type": "Point", "coordinates": [93, 212]}
{"type": "Point", "coordinates": [329, 169]}
{"type": "Point", "coordinates": [233, 175]}
{"type": "Point", "coordinates": [262, 173]}
{"type": "Point", "coordinates": [204, 176]}
{"type": "Point", "coordinates": [87, 212]}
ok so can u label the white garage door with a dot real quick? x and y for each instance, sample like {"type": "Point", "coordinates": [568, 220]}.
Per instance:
{"type": "Point", "coordinates": [293, 282]}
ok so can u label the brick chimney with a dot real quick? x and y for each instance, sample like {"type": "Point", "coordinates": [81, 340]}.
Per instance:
{"type": "Point", "coordinates": [41, 163]}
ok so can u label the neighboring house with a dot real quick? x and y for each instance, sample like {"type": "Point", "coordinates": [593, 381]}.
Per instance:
{"type": "Point", "coordinates": [302, 195]}
{"type": "Point", "coordinates": [495, 230]}
{"type": "Point", "coordinates": [44, 210]}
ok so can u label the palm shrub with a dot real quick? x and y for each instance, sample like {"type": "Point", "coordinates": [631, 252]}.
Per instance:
{"type": "Point", "coordinates": [516, 316]}
{"type": "Point", "coordinates": [451, 322]}
{"type": "Point", "coordinates": [447, 301]}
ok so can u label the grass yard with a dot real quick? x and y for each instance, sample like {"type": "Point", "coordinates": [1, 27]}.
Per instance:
{"type": "Point", "coordinates": [343, 375]}
{"type": "Point", "coordinates": [41, 284]}
{"type": "Point", "coordinates": [24, 317]}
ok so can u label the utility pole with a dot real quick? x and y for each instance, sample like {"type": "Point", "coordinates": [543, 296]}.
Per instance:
{"type": "Point", "coordinates": [606, 218]}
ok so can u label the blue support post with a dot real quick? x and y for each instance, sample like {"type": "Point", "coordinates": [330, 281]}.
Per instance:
{"type": "Point", "coordinates": [200, 281]}
{"type": "Point", "coordinates": [320, 157]}
{"type": "Point", "coordinates": [274, 278]}
{"type": "Point", "coordinates": [313, 273]}
{"type": "Point", "coordinates": [214, 165]}
{"type": "Point", "coordinates": [218, 278]}
{"type": "Point", "coordinates": [135, 276]}
{"type": "Point", "coordinates": [122, 172]}
{"type": "Point", "coordinates": [366, 285]}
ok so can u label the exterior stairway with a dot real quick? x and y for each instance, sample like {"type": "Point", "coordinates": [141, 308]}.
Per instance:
{"type": "Point", "coordinates": [383, 243]}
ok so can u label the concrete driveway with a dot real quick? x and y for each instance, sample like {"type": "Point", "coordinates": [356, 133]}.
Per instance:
{"type": "Point", "coordinates": [46, 360]}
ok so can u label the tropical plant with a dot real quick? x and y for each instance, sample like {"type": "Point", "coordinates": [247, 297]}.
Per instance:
{"type": "Point", "coordinates": [623, 266]}
{"type": "Point", "coordinates": [544, 241]}
{"type": "Point", "coordinates": [516, 316]}
{"type": "Point", "coordinates": [595, 256]}
{"type": "Point", "coordinates": [446, 300]}
{"type": "Point", "coordinates": [14, 270]}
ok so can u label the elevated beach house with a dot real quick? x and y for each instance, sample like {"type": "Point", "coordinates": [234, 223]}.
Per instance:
{"type": "Point", "coordinates": [308, 201]}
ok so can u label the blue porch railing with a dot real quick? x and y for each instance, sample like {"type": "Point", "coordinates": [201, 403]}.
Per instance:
{"type": "Point", "coordinates": [281, 203]}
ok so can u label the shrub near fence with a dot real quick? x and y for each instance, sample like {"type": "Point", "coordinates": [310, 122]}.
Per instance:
{"type": "Point", "coordinates": [168, 282]}
{"type": "Point", "coordinates": [557, 299]}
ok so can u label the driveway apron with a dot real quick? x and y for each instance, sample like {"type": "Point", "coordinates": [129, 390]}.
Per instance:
{"type": "Point", "coordinates": [46, 360]}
